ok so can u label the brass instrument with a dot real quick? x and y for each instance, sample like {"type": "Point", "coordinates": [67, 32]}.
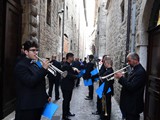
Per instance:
{"type": "Point", "coordinates": [108, 76]}
{"type": "Point", "coordinates": [104, 105]}
{"type": "Point", "coordinates": [52, 69]}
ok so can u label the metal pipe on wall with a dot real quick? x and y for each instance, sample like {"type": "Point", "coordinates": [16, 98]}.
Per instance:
{"type": "Point", "coordinates": [63, 27]}
{"type": "Point", "coordinates": [133, 27]}
{"type": "Point", "coordinates": [128, 29]}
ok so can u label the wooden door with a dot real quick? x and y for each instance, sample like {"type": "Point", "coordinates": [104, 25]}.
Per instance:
{"type": "Point", "coordinates": [153, 89]}
{"type": "Point", "coordinates": [11, 48]}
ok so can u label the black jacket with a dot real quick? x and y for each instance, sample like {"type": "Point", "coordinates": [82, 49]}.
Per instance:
{"type": "Point", "coordinates": [131, 100]}
{"type": "Point", "coordinates": [67, 83]}
{"type": "Point", "coordinates": [58, 75]}
{"type": "Point", "coordinates": [30, 81]}
{"type": "Point", "coordinates": [89, 67]}
{"type": "Point", "coordinates": [108, 84]}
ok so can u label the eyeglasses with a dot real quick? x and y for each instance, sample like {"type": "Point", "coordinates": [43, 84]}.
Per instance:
{"type": "Point", "coordinates": [34, 50]}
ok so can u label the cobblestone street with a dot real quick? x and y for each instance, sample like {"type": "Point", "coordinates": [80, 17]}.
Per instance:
{"type": "Point", "coordinates": [84, 108]}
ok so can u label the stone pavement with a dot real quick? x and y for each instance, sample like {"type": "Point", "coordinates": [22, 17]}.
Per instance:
{"type": "Point", "coordinates": [84, 108]}
{"type": "Point", "coordinates": [81, 107]}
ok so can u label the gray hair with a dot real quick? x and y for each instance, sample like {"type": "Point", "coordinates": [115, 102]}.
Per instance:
{"type": "Point", "coordinates": [108, 60]}
{"type": "Point", "coordinates": [133, 56]}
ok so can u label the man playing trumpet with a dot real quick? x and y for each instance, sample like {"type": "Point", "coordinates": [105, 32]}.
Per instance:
{"type": "Point", "coordinates": [30, 81]}
{"type": "Point", "coordinates": [131, 99]}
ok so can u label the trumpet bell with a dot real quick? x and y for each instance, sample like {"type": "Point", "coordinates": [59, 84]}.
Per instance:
{"type": "Point", "coordinates": [64, 74]}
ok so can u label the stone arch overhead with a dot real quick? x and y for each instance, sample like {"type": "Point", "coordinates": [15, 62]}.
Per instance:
{"type": "Point", "coordinates": [142, 28]}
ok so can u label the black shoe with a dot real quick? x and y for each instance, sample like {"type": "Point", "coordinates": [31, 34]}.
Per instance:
{"type": "Point", "coordinates": [57, 98]}
{"type": "Point", "coordinates": [95, 113]}
{"type": "Point", "coordinates": [77, 85]}
{"type": "Point", "coordinates": [71, 114]}
{"type": "Point", "coordinates": [66, 118]}
{"type": "Point", "coordinates": [89, 98]}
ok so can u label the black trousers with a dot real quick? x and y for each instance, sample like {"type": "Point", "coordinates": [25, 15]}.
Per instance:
{"type": "Point", "coordinates": [132, 116]}
{"type": "Point", "coordinates": [99, 105]}
{"type": "Point", "coordinates": [91, 89]}
{"type": "Point", "coordinates": [77, 82]}
{"type": "Point", "coordinates": [67, 95]}
{"type": "Point", "coordinates": [108, 108]}
{"type": "Point", "coordinates": [53, 81]}
{"type": "Point", "coordinates": [99, 102]}
{"type": "Point", "coordinates": [34, 114]}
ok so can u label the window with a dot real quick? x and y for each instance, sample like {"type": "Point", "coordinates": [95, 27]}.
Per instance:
{"type": "Point", "coordinates": [72, 21]}
{"type": "Point", "coordinates": [48, 12]}
{"type": "Point", "coordinates": [67, 12]}
{"type": "Point", "coordinates": [71, 45]}
{"type": "Point", "coordinates": [122, 10]}
{"type": "Point", "coordinates": [158, 22]}
{"type": "Point", "coordinates": [60, 26]}
{"type": "Point", "coordinates": [74, 46]}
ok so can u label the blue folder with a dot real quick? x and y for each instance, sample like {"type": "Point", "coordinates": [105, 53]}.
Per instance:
{"type": "Point", "coordinates": [49, 110]}
{"type": "Point", "coordinates": [39, 64]}
{"type": "Point", "coordinates": [82, 72]}
{"type": "Point", "coordinates": [99, 90]}
{"type": "Point", "coordinates": [88, 82]}
{"type": "Point", "coordinates": [96, 79]}
{"type": "Point", "coordinates": [94, 72]}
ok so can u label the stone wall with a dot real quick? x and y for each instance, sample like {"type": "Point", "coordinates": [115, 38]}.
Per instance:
{"type": "Point", "coordinates": [101, 40]}
{"type": "Point", "coordinates": [71, 28]}
{"type": "Point", "coordinates": [48, 34]}
{"type": "Point", "coordinates": [116, 33]}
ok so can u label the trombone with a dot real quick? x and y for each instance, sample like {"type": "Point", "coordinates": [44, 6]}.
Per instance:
{"type": "Point", "coordinates": [107, 76]}
{"type": "Point", "coordinates": [52, 69]}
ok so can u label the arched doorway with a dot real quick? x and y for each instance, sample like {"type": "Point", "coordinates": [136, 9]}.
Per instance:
{"type": "Point", "coordinates": [152, 107]}
{"type": "Point", "coordinates": [10, 47]}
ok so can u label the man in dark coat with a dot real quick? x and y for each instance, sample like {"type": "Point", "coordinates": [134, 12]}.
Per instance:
{"type": "Point", "coordinates": [30, 81]}
{"type": "Point", "coordinates": [67, 85]}
{"type": "Point", "coordinates": [132, 93]}
{"type": "Point", "coordinates": [89, 67]}
{"type": "Point", "coordinates": [54, 79]}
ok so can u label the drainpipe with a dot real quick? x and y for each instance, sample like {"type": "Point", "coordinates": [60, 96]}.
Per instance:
{"type": "Point", "coordinates": [128, 29]}
{"type": "Point", "coordinates": [63, 27]}
{"type": "Point", "coordinates": [133, 27]}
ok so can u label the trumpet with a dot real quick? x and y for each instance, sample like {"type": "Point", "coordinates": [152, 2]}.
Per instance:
{"type": "Point", "coordinates": [52, 69]}
{"type": "Point", "coordinates": [104, 105]}
{"type": "Point", "coordinates": [108, 76]}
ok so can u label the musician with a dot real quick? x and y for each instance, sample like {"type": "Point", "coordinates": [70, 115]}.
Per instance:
{"type": "Point", "coordinates": [67, 85]}
{"type": "Point", "coordinates": [99, 102]}
{"type": "Point", "coordinates": [108, 84]}
{"type": "Point", "coordinates": [131, 99]}
{"type": "Point", "coordinates": [85, 62]}
{"type": "Point", "coordinates": [63, 61]}
{"type": "Point", "coordinates": [22, 54]}
{"type": "Point", "coordinates": [89, 67]}
{"type": "Point", "coordinates": [54, 79]}
{"type": "Point", "coordinates": [30, 81]}
{"type": "Point", "coordinates": [77, 65]}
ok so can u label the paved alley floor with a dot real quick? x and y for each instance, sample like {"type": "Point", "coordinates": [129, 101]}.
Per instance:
{"type": "Point", "coordinates": [84, 108]}
{"type": "Point", "coordinates": [81, 107]}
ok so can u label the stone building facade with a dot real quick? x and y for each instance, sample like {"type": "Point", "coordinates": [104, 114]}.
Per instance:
{"type": "Point", "coordinates": [127, 23]}
{"type": "Point", "coordinates": [101, 29]}
{"type": "Point", "coordinates": [40, 22]}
